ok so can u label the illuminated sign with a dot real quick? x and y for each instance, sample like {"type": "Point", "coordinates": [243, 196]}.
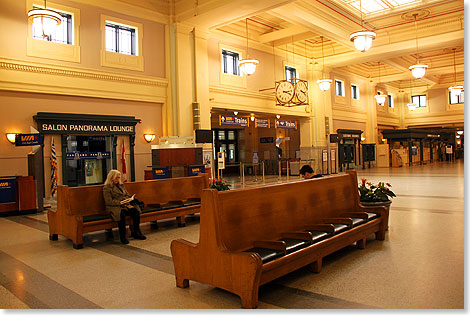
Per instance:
{"type": "Point", "coordinates": [27, 139]}
{"type": "Point", "coordinates": [262, 123]}
{"type": "Point", "coordinates": [193, 170]}
{"type": "Point", "coordinates": [286, 124]}
{"type": "Point", "coordinates": [233, 121]}
{"type": "Point", "coordinates": [160, 172]}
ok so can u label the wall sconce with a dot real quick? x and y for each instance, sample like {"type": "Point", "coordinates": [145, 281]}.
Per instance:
{"type": "Point", "coordinates": [278, 116]}
{"type": "Point", "coordinates": [252, 117]}
{"type": "Point", "coordinates": [149, 137]}
{"type": "Point", "coordinates": [363, 139]}
{"type": "Point", "coordinates": [11, 137]}
{"type": "Point", "coordinates": [235, 113]}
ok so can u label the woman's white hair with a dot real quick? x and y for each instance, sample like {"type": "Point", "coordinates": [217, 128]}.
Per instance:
{"type": "Point", "coordinates": [111, 176]}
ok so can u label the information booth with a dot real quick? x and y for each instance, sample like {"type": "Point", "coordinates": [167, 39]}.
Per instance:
{"type": "Point", "coordinates": [349, 148]}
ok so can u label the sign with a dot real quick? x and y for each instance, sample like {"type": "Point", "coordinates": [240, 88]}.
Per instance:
{"type": "Point", "coordinates": [325, 156]}
{"type": "Point", "coordinates": [266, 140]}
{"type": "Point", "coordinates": [160, 172]}
{"type": "Point", "coordinates": [193, 170]}
{"type": "Point", "coordinates": [333, 155]}
{"type": "Point", "coordinates": [327, 125]}
{"type": "Point", "coordinates": [414, 150]}
{"type": "Point", "coordinates": [262, 123]}
{"type": "Point", "coordinates": [86, 128]}
{"type": "Point", "coordinates": [286, 124]}
{"type": "Point", "coordinates": [221, 160]}
{"type": "Point", "coordinates": [233, 121]}
{"type": "Point", "coordinates": [26, 139]}
{"type": "Point", "coordinates": [449, 149]}
{"type": "Point", "coordinates": [87, 155]}
{"type": "Point", "coordinates": [7, 190]}
{"type": "Point", "coordinates": [255, 158]}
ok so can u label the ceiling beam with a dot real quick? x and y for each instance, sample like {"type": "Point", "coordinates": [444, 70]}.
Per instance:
{"type": "Point", "coordinates": [282, 34]}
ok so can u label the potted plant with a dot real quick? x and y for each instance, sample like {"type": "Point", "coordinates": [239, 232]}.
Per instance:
{"type": "Point", "coordinates": [374, 195]}
{"type": "Point", "coordinates": [219, 184]}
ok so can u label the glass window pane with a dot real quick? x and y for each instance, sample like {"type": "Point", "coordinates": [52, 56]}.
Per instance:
{"type": "Point", "coordinates": [221, 134]}
{"type": "Point", "coordinates": [231, 135]}
{"type": "Point", "coordinates": [110, 38]}
{"type": "Point", "coordinates": [231, 151]}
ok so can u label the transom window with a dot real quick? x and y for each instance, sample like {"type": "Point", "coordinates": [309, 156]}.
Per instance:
{"type": "Point", "coordinates": [374, 6]}
{"type": "Point", "coordinates": [120, 39]}
{"type": "Point", "coordinates": [456, 99]}
{"type": "Point", "coordinates": [62, 34]}
{"type": "Point", "coordinates": [339, 87]}
{"type": "Point", "coordinates": [419, 100]}
{"type": "Point", "coordinates": [354, 91]}
{"type": "Point", "coordinates": [230, 62]}
{"type": "Point", "coordinates": [291, 74]}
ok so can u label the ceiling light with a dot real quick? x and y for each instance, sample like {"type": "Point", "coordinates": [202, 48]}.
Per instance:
{"type": "Point", "coordinates": [363, 39]}
{"type": "Point", "coordinates": [247, 66]}
{"type": "Point", "coordinates": [457, 136]}
{"type": "Point", "coordinates": [47, 19]}
{"type": "Point", "coordinates": [460, 132]}
{"type": "Point", "coordinates": [418, 70]}
{"type": "Point", "coordinates": [455, 89]}
{"type": "Point", "coordinates": [324, 84]}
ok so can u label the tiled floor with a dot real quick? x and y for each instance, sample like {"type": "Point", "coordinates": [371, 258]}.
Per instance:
{"type": "Point", "coordinates": [419, 265]}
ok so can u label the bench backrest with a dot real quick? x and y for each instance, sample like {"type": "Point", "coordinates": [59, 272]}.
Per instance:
{"type": "Point", "coordinates": [255, 214]}
{"type": "Point", "coordinates": [88, 200]}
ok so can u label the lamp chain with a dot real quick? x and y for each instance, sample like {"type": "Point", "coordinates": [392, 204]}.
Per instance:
{"type": "Point", "coordinates": [360, 9]}
{"type": "Point", "coordinates": [323, 58]}
{"type": "Point", "coordinates": [455, 73]}
{"type": "Point", "coordinates": [246, 24]}
{"type": "Point", "coordinates": [416, 32]}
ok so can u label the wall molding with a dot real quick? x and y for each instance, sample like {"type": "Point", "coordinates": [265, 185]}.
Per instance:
{"type": "Point", "coordinates": [25, 76]}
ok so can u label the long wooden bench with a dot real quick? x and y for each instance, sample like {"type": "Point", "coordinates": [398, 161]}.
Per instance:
{"type": "Point", "coordinates": [81, 209]}
{"type": "Point", "coordinates": [251, 236]}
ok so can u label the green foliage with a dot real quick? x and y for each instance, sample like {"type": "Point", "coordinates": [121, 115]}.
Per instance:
{"type": "Point", "coordinates": [372, 192]}
{"type": "Point", "coordinates": [219, 184]}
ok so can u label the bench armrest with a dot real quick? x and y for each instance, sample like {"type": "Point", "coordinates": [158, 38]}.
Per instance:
{"type": "Point", "coordinates": [347, 221]}
{"type": "Point", "coordinates": [320, 227]}
{"type": "Point", "coordinates": [360, 215]}
{"type": "Point", "coordinates": [298, 235]}
{"type": "Point", "coordinates": [379, 210]}
{"type": "Point", "coordinates": [279, 245]}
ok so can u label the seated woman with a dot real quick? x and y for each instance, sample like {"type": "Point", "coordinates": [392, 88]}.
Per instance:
{"type": "Point", "coordinates": [307, 172]}
{"type": "Point", "coordinates": [114, 192]}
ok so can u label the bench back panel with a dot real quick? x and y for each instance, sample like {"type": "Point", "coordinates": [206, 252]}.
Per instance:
{"type": "Point", "coordinates": [264, 213]}
{"type": "Point", "coordinates": [86, 200]}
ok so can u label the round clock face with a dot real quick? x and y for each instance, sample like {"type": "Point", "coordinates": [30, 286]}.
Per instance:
{"type": "Point", "coordinates": [285, 91]}
{"type": "Point", "coordinates": [301, 91]}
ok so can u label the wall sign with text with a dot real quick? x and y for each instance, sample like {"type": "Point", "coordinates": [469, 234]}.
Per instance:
{"type": "Point", "coordinates": [262, 123]}
{"type": "Point", "coordinates": [233, 121]}
{"type": "Point", "coordinates": [27, 139]}
{"type": "Point", "coordinates": [286, 124]}
{"type": "Point", "coordinates": [88, 155]}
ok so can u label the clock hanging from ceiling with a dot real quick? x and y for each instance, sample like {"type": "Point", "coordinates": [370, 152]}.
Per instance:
{"type": "Point", "coordinates": [290, 93]}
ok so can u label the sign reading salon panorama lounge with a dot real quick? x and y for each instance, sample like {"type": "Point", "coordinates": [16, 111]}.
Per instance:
{"type": "Point", "coordinates": [84, 128]}
{"type": "Point", "coordinates": [233, 121]}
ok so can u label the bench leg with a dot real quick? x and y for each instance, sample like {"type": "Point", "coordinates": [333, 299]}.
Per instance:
{"type": "Point", "coordinates": [316, 266]}
{"type": "Point", "coordinates": [361, 244]}
{"type": "Point", "coordinates": [250, 299]}
{"type": "Point", "coordinates": [182, 283]}
{"type": "Point", "coordinates": [154, 225]}
{"type": "Point", "coordinates": [54, 237]}
{"type": "Point", "coordinates": [78, 246]}
{"type": "Point", "coordinates": [380, 235]}
{"type": "Point", "coordinates": [181, 221]}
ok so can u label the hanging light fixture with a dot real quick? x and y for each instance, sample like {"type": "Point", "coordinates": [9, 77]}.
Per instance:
{"type": "Point", "coordinates": [324, 84]}
{"type": "Point", "coordinates": [411, 105]}
{"type": "Point", "coordinates": [455, 89]}
{"type": "Point", "coordinates": [47, 19]}
{"type": "Point", "coordinates": [380, 98]}
{"type": "Point", "coordinates": [363, 39]}
{"type": "Point", "coordinates": [418, 70]}
{"type": "Point", "coordinates": [247, 66]}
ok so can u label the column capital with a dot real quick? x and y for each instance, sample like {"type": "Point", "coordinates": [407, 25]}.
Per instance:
{"type": "Point", "coordinates": [201, 33]}
{"type": "Point", "coordinates": [183, 28]}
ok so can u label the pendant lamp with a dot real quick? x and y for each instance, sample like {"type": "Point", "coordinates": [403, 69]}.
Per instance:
{"type": "Point", "coordinates": [380, 98]}
{"type": "Point", "coordinates": [247, 66]}
{"type": "Point", "coordinates": [455, 89]}
{"type": "Point", "coordinates": [363, 39]}
{"type": "Point", "coordinates": [323, 84]}
{"type": "Point", "coordinates": [418, 70]}
{"type": "Point", "coordinates": [47, 18]}
{"type": "Point", "coordinates": [411, 105]}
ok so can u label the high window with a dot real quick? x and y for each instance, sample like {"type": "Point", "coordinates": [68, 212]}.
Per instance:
{"type": "Point", "coordinates": [354, 91]}
{"type": "Point", "coordinates": [339, 87]}
{"type": "Point", "coordinates": [63, 33]}
{"type": "Point", "coordinates": [230, 62]}
{"type": "Point", "coordinates": [390, 101]}
{"type": "Point", "coordinates": [291, 74]}
{"type": "Point", "coordinates": [120, 39]}
{"type": "Point", "coordinates": [419, 100]}
{"type": "Point", "coordinates": [456, 99]}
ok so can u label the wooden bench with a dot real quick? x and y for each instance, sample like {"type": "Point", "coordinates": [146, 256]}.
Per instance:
{"type": "Point", "coordinates": [251, 236]}
{"type": "Point", "coordinates": [81, 209]}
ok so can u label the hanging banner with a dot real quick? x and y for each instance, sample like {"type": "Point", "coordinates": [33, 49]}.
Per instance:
{"type": "Point", "coordinates": [87, 155]}
{"type": "Point", "coordinates": [193, 170]}
{"type": "Point", "coordinates": [233, 121]}
{"type": "Point", "coordinates": [27, 139]}
{"type": "Point", "coordinates": [262, 123]}
{"type": "Point", "coordinates": [286, 124]}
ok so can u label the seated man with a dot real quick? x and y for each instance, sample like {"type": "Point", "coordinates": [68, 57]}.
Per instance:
{"type": "Point", "coordinates": [307, 172]}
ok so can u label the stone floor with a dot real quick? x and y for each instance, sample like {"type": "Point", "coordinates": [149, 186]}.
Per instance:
{"type": "Point", "coordinates": [420, 265]}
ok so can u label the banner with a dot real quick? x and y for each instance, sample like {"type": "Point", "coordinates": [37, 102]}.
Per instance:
{"type": "Point", "coordinates": [27, 139]}
{"type": "Point", "coordinates": [160, 172]}
{"type": "Point", "coordinates": [7, 190]}
{"type": "Point", "coordinates": [233, 121]}
{"type": "Point", "coordinates": [286, 124]}
{"type": "Point", "coordinates": [123, 161]}
{"type": "Point", "coordinates": [53, 169]}
{"type": "Point", "coordinates": [193, 170]}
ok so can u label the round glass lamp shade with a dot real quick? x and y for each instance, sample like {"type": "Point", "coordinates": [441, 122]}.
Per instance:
{"type": "Point", "coordinates": [48, 20]}
{"type": "Point", "coordinates": [380, 98]}
{"type": "Point", "coordinates": [411, 106]}
{"type": "Point", "coordinates": [455, 90]}
{"type": "Point", "coordinates": [248, 66]}
{"type": "Point", "coordinates": [362, 40]}
{"type": "Point", "coordinates": [418, 71]}
{"type": "Point", "coordinates": [324, 84]}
